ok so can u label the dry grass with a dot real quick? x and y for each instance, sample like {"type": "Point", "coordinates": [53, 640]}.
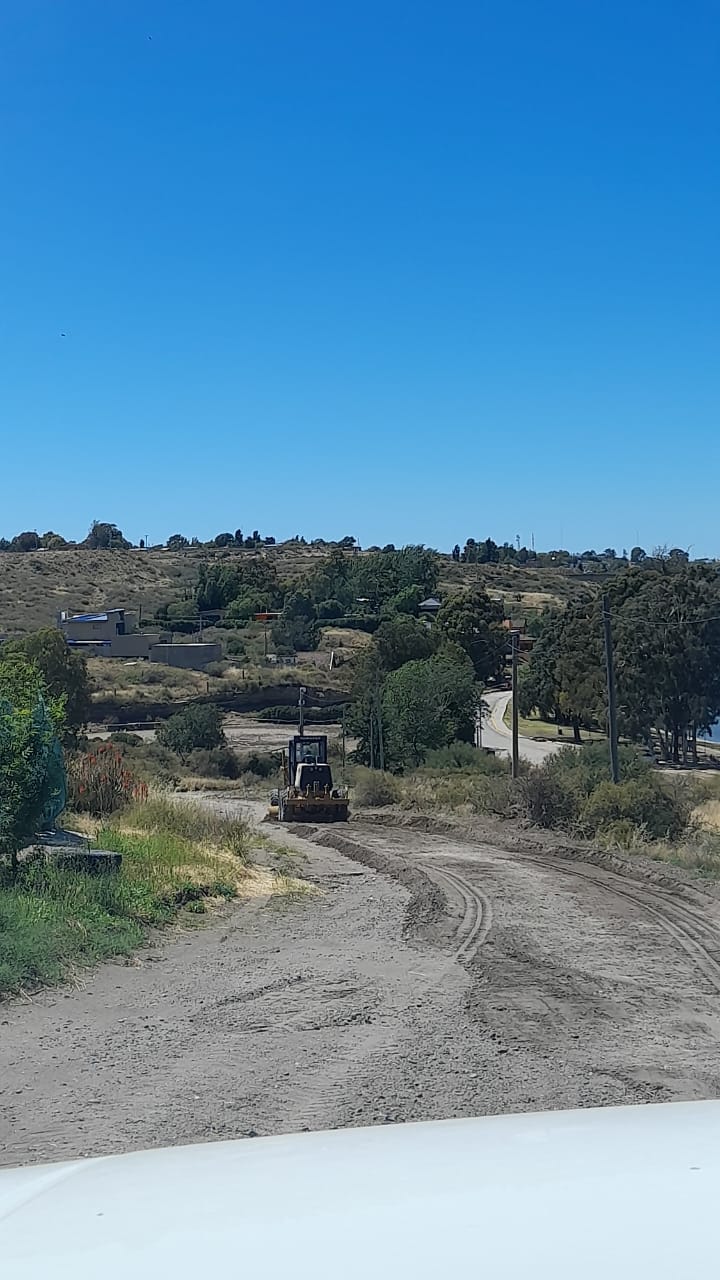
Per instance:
{"type": "Point", "coordinates": [707, 815]}
{"type": "Point", "coordinates": [34, 586]}
{"type": "Point", "coordinates": [345, 638]}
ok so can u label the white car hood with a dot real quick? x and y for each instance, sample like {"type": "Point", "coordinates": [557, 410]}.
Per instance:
{"type": "Point", "coordinates": [621, 1192]}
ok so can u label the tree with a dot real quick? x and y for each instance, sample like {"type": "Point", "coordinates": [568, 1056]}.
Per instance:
{"type": "Point", "coordinates": [456, 553]}
{"type": "Point", "coordinates": [28, 541]}
{"type": "Point", "coordinates": [177, 542]}
{"type": "Point", "coordinates": [666, 625]}
{"type": "Point", "coordinates": [53, 541]}
{"type": "Point", "coordinates": [194, 728]}
{"type": "Point", "coordinates": [637, 555]}
{"type": "Point", "coordinates": [223, 540]}
{"type": "Point", "coordinates": [488, 552]}
{"type": "Point", "coordinates": [28, 752]}
{"type": "Point", "coordinates": [407, 600]}
{"type": "Point", "coordinates": [428, 704]}
{"type": "Point", "coordinates": [539, 689]}
{"type": "Point", "coordinates": [402, 639]}
{"type": "Point", "coordinates": [63, 672]}
{"type": "Point", "coordinates": [473, 620]}
{"type": "Point", "coordinates": [103, 536]}
{"type": "Point", "coordinates": [379, 576]}
{"type": "Point", "coordinates": [330, 609]}
{"type": "Point", "coordinates": [238, 537]}
{"type": "Point", "coordinates": [219, 583]}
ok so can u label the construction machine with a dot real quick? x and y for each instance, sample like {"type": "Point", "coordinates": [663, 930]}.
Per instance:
{"type": "Point", "coordinates": [308, 793]}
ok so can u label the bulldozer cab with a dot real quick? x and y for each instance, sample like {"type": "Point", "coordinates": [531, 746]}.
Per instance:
{"type": "Point", "coordinates": [305, 751]}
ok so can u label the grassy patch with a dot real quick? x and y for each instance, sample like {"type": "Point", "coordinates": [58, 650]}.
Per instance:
{"type": "Point", "coordinates": [534, 727]}
{"type": "Point", "coordinates": [54, 922]}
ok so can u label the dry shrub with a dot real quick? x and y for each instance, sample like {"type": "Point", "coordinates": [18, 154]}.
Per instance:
{"type": "Point", "coordinates": [375, 790]}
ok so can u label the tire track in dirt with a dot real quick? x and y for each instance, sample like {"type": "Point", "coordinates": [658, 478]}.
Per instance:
{"type": "Point", "coordinates": [690, 930]}
{"type": "Point", "coordinates": [477, 918]}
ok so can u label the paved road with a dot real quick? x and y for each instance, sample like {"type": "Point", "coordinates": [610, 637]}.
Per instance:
{"type": "Point", "coordinates": [496, 734]}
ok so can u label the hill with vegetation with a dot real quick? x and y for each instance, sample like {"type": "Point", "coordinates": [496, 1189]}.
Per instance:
{"type": "Point", "coordinates": [36, 585]}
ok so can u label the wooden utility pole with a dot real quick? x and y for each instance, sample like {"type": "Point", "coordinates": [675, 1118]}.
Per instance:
{"type": "Point", "coordinates": [612, 708]}
{"type": "Point", "coordinates": [343, 739]}
{"type": "Point", "coordinates": [515, 639]}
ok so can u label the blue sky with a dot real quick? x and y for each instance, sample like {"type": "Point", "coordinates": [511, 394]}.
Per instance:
{"type": "Point", "coordinates": [407, 271]}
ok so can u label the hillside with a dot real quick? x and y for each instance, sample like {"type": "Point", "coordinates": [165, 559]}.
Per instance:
{"type": "Point", "coordinates": [35, 585]}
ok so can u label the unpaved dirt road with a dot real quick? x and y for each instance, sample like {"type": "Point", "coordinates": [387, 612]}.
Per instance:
{"type": "Point", "coordinates": [430, 976]}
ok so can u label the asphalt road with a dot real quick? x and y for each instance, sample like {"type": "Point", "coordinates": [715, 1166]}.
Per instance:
{"type": "Point", "coordinates": [496, 734]}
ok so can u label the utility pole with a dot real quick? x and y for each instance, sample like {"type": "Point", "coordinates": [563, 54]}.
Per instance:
{"type": "Point", "coordinates": [612, 708]}
{"type": "Point", "coordinates": [372, 736]}
{"type": "Point", "coordinates": [381, 748]}
{"type": "Point", "coordinates": [343, 739]}
{"type": "Point", "coordinates": [515, 639]}
{"type": "Point", "coordinates": [301, 705]}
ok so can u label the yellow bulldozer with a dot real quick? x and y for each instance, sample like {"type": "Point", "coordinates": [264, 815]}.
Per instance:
{"type": "Point", "coordinates": [308, 793]}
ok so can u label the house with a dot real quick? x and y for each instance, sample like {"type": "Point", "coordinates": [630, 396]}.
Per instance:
{"type": "Point", "coordinates": [430, 608]}
{"type": "Point", "coordinates": [113, 634]}
{"type": "Point", "coordinates": [96, 627]}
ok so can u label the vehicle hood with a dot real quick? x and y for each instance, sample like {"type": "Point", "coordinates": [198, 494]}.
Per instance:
{"type": "Point", "coordinates": [619, 1192]}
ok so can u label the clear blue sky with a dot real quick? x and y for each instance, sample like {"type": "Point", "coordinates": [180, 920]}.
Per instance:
{"type": "Point", "coordinates": [408, 271]}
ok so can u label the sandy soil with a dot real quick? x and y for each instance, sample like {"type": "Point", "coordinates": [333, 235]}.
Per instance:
{"type": "Point", "coordinates": [429, 976]}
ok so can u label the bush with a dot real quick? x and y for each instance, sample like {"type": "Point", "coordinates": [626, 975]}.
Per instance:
{"type": "Point", "coordinates": [545, 800]}
{"type": "Point", "coordinates": [219, 762]}
{"type": "Point", "coordinates": [645, 803]}
{"type": "Point", "coordinates": [263, 766]}
{"type": "Point", "coordinates": [99, 782]}
{"type": "Point", "coordinates": [585, 769]}
{"type": "Point", "coordinates": [375, 789]}
{"type": "Point", "coordinates": [461, 755]}
{"type": "Point", "coordinates": [288, 714]}
{"type": "Point", "coordinates": [235, 647]}
{"type": "Point", "coordinates": [122, 738]}
{"type": "Point", "coordinates": [194, 728]}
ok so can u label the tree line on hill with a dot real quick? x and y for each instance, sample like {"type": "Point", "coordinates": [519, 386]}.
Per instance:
{"type": "Point", "coordinates": [488, 551]}
{"type": "Point", "coordinates": [106, 536]}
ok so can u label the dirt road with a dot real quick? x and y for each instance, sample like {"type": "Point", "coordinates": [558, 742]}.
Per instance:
{"type": "Point", "coordinates": [430, 976]}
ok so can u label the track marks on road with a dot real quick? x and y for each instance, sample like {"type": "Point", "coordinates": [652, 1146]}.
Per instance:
{"type": "Point", "coordinates": [476, 920]}
{"type": "Point", "coordinates": [698, 937]}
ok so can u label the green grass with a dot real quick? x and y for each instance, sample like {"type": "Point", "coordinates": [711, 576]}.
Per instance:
{"type": "Point", "coordinates": [55, 922]}
{"type": "Point", "coordinates": [534, 727]}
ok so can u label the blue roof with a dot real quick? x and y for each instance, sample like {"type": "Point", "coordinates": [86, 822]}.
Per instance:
{"type": "Point", "coordinates": [88, 617]}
